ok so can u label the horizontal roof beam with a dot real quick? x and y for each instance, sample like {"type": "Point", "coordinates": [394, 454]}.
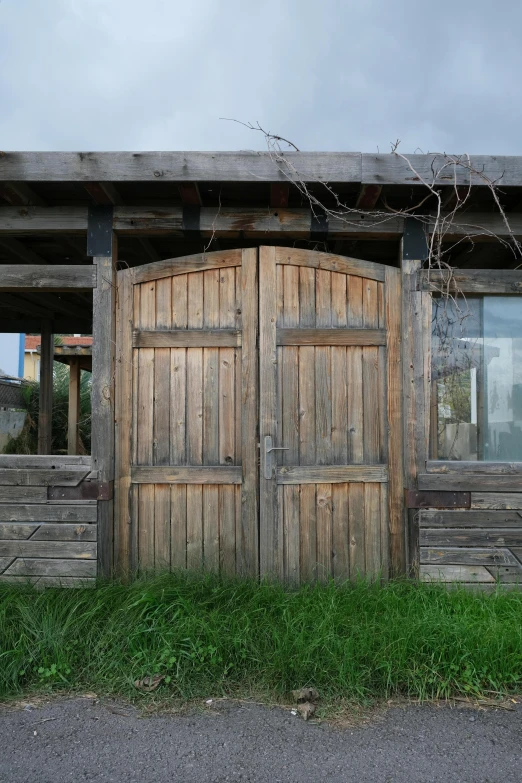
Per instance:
{"type": "Point", "coordinates": [47, 277]}
{"type": "Point", "coordinates": [247, 222]}
{"type": "Point", "coordinates": [250, 166]}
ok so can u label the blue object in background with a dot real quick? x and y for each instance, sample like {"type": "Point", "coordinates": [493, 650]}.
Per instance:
{"type": "Point", "coordinates": [21, 356]}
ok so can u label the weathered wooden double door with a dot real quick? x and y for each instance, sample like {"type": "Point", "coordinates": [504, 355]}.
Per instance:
{"type": "Point", "coordinates": [256, 392]}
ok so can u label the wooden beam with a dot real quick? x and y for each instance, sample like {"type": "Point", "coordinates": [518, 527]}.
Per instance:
{"type": "Point", "coordinates": [103, 412]}
{"type": "Point", "coordinates": [368, 196]}
{"type": "Point", "coordinates": [178, 167]}
{"type": "Point", "coordinates": [46, 277]}
{"type": "Point", "coordinates": [74, 406]}
{"type": "Point", "coordinates": [474, 281]}
{"type": "Point", "coordinates": [189, 193]}
{"type": "Point", "coordinates": [279, 194]}
{"type": "Point", "coordinates": [433, 168]}
{"type": "Point", "coordinates": [332, 167]}
{"type": "Point", "coordinates": [45, 412]}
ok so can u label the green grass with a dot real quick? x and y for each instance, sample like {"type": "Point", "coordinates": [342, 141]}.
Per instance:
{"type": "Point", "coordinates": [213, 637]}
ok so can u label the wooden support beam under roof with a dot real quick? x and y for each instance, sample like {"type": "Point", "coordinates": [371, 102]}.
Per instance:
{"type": "Point", "coordinates": [48, 277]}
{"type": "Point", "coordinates": [249, 223]}
{"type": "Point", "coordinates": [189, 193]}
{"type": "Point", "coordinates": [250, 166]}
{"type": "Point", "coordinates": [279, 194]}
{"type": "Point", "coordinates": [368, 196]}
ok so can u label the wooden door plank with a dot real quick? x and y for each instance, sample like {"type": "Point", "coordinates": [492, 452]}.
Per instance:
{"type": "Point", "coordinates": [333, 474]}
{"type": "Point", "coordinates": [162, 366]}
{"type": "Point", "coordinates": [330, 262]}
{"type": "Point", "coordinates": [187, 338]}
{"type": "Point", "coordinates": [323, 372]}
{"type": "Point", "coordinates": [324, 531]}
{"type": "Point", "coordinates": [144, 424]}
{"type": "Point", "coordinates": [331, 336]}
{"type": "Point", "coordinates": [178, 526]}
{"type": "Point", "coordinates": [475, 555]}
{"type": "Point", "coordinates": [247, 548]}
{"type": "Point", "coordinates": [288, 387]}
{"type": "Point", "coordinates": [372, 519]}
{"type": "Point", "coordinates": [396, 512]}
{"type": "Point", "coordinates": [356, 516]}
{"type": "Point", "coordinates": [341, 533]}
{"type": "Point", "coordinates": [270, 554]}
{"type": "Point", "coordinates": [186, 474]}
{"type": "Point", "coordinates": [124, 407]}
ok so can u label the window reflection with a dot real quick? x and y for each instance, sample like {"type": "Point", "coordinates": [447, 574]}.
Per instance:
{"type": "Point", "coordinates": [476, 382]}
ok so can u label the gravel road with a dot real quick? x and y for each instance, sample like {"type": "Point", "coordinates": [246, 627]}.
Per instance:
{"type": "Point", "coordinates": [81, 740]}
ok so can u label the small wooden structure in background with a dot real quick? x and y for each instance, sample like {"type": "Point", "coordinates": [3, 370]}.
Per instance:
{"type": "Point", "coordinates": [261, 372]}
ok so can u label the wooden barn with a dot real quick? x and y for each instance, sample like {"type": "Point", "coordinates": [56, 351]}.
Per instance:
{"type": "Point", "coordinates": [285, 381]}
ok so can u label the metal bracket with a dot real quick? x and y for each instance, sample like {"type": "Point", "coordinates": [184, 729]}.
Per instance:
{"type": "Point", "coordinates": [99, 230]}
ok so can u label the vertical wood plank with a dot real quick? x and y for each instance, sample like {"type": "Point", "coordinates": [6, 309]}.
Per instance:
{"type": "Point", "coordinates": [124, 407]}
{"type": "Point", "coordinates": [145, 430]}
{"type": "Point", "coordinates": [323, 377]}
{"type": "Point", "coordinates": [227, 416]}
{"type": "Point", "coordinates": [194, 423]}
{"type": "Point", "coordinates": [372, 518]}
{"type": "Point", "coordinates": [341, 532]}
{"type": "Point", "coordinates": [356, 517]}
{"type": "Point", "coordinates": [247, 549]}
{"type": "Point", "coordinates": [45, 406]}
{"type": "Point", "coordinates": [289, 393]}
{"type": "Point", "coordinates": [211, 394]}
{"type": "Point", "coordinates": [178, 374]}
{"type": "Point", "coordinates": [270, 554]}
{"type": "Point", "coordinates": [162, 367]}
{"type": "Point", "coordinates": [396, 512]}
{"type": "Point", "coordinates": [308, 532]}
{"type": "Point", "coordinates": [324, 531]}
{"type": "Point", "coordinates": [355, 405]}
{"type": "Point", "coordinates": [371, 390]}
{"type": "Point", "coordinates": [178, 526]}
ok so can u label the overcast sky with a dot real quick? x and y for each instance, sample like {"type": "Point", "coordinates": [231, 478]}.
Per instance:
{"type": "Point", "coordinates": [329, 74]}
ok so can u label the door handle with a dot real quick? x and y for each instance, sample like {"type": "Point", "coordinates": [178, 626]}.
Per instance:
{"type": "Point", "coordinates": [267, 461]}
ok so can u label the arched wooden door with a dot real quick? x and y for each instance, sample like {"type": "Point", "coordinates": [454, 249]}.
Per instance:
{"type": "Point", "coordinates": [257, 415]}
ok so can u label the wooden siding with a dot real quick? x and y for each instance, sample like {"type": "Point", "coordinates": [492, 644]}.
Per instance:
{"type": "Point", "coordinates": [43, 541]}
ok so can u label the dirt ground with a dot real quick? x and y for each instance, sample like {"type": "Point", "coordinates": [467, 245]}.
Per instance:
{"type": "Point", "coordinates": [85, 739]}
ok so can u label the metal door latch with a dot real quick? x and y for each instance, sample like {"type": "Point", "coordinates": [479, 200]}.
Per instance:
{"type": "Point", "coordinates": [267, 461]}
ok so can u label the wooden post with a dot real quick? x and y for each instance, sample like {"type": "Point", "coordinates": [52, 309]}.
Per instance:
{"type": "Point", "coordinates": [103, 241]}
{"type": "Point", "coordinates": [74, 405]}
{"type": "Point", "coordinates": [416, 367]}
{"type": "Point", "coordinates": [45, 414]}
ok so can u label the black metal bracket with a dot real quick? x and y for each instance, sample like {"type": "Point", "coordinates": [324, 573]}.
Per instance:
{"type": "Point", "coordinates": [318, 224]}
{"type": "Point", "coordinates": [415, 240]}
{"type": "Point", "coordinates": [99, 230]}
{"type": "Point", "coordinates": [191, 220]}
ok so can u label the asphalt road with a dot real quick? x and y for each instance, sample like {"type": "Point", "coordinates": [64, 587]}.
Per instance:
{"type": "Point", "coordinates": [78, 740]}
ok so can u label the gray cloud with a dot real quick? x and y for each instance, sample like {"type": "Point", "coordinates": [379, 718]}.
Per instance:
{"type": "Point", "coordinates": [330, 75]}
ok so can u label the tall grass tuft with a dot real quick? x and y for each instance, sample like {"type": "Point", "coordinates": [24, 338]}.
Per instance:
{"type": "Point", "coordinates": [212, 636]}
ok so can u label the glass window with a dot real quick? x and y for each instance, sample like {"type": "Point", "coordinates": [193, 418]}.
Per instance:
{"type": "Point", "coordinates": [476, 379]}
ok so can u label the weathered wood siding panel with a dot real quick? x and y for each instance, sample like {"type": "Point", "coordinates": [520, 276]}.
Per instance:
{"type": "Point", "coordinates": [46, 542]}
